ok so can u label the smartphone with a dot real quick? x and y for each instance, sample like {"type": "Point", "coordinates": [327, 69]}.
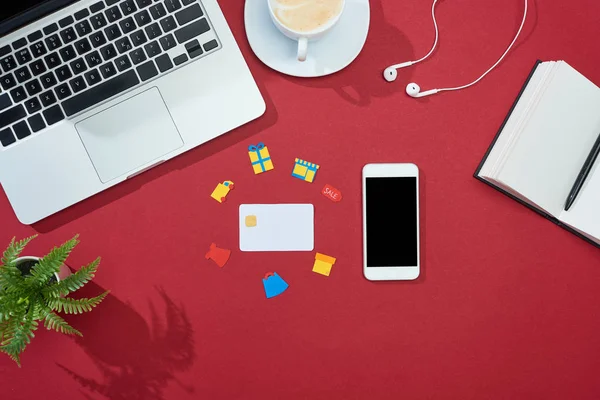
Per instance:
{"type": "Point", "coordinates": [391, 222]}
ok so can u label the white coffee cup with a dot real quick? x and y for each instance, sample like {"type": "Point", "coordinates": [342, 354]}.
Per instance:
{"type": "Point", "coordinates": [302, 36]}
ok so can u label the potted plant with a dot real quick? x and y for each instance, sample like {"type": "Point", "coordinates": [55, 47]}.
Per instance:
{"type": "Point", "coordinates": [32, 290]}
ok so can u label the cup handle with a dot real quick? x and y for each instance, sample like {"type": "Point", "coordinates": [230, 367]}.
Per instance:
{"type": "Point", "coordinates": [302, 48]}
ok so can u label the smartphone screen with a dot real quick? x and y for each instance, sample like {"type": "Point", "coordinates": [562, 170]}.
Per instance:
{"type": "Point", "coordinates": [391, 212]}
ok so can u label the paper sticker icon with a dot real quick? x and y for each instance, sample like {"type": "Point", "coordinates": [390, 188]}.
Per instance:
{"type": "Point", "coordinates": [332, 193]}
{"type": "Point", "coordinates": [222, 190]}
{"type": "Point", "coordinates": [260, 158]}
{"type": "Point", "coordinates": [251, 221]}
{"type": "Point", "coordinates": [305, 170]}
{"type": "Point", "coordinates": [218, 255]}
{"type": "Point", "coordinates": [274, 285]}
{"type": "Point", "coordinates": [323, 264]}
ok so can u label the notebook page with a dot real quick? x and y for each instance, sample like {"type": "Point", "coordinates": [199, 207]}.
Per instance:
{"type": "Point", "coordinates": [555, 141]}
{"type": "Point", "coordinates": [584, 215]}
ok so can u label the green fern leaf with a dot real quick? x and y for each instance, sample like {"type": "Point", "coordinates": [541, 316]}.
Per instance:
{"type": "Point", "coordinates": [76, 306]}
{"type": "Point", "coordinates": [18, 335]}
{"type": "Point", "coordinates": [73, 282]}
{"type": "Point", "coordinates": [14, 250]}
{"type": "Point", "coordinates": [50, 264]}
{"type": "Point", "coordinates": [57, 323]}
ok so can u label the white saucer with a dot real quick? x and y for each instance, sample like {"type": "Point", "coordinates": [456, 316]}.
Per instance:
{"type": "Point", "coordinates": [331, 54]}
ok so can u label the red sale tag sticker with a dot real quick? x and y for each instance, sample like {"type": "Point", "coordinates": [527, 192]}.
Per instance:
{"type": "Point", "coordinates": [331, 193]}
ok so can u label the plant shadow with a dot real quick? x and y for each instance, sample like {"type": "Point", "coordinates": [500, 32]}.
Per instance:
{"type": "Point", "coordinates": [143, 359]}
{"type": "Point", "coordinates": [363, 80]}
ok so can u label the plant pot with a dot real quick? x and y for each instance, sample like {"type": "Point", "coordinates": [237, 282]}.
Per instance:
{"type": "Point", "coordinates": [24, 264]}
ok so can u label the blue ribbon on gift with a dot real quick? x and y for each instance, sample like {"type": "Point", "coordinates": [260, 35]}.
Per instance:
{"type": "Point", "coordinates": [261, 160]}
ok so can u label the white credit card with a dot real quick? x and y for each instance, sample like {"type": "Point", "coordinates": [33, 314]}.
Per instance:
{"type": "Point", "coordinates": [277, 227]}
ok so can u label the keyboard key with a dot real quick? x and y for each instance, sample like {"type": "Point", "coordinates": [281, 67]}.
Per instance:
{"type": "Point", "coordinates": [17, 44]}
{"type": "Point", "coordinates": [98, 39]}
{"type": "Point", "coordinates": [138, 38]}
{"type": "Point", "coordinates": [108, 52]}
{"type": "Point", "coordinates": [78, 66]}
{"type": "Point", "coordinates": [112, 32]}
{"type": "Point", "coordinates": [137, 56]}
{"type": "Point", "coordinates": [67, 53]}
{"type": "Point", "coordinates": [53, 115]}
{"type": "Point", "coordinates": [92, 77]}
{"type": "Point", "coordinates": [180, 59]}
{"type": "Point", "coordinates": [192, 30]}
{"type": "Point", "coordinates": [108, 70]}
{"type": "Point", "coordinates": [62, 91]}
{"type": "Point", "coordinates": [167, 42]}
{"type": "Point", "coordinates": [142, 18]}
{"type": "Point", "coordinates": [153, 31]}
{"type": "Point", "coordinates": [23, 74]}
{"type": "Point", "coordinates": [4, 50]}
{"type": "Point", "coordinates": [8, 63]}
{"type": "Point", "coordinates": [52, 60]}
{"type": "Point", "coordinates": [79, 15]}
{"type": "Point", "coordinates": [33, 87]}
{"type": "Point", "coordinates": [21, 130]}
{"type": "Point", "coordinates": [143, 3]}
{"type": "Point", "coordinates": [127, 25]}
{"type": "Point", "coordinates": [50, 29]}
{"type": "Point", "coordinates": [187, 2]}
{"type": "Point", "coordinates": [5, 101]}
{"type": "Point", "coordinates": [189, 14]}
{"type": "Point", "coordinates": [33, 105]}
{"type": "Point", "coordinates": [113, 14]}
{"type": "Point", "coordinates": [83, 46]}
{"type": "Point", "coordinates": [158, 11]}
{"type": "Point", "coordinates": [93, 59]}
{"type": "Point", "coordinates": [48, 80]}
{"type": "Point", "coordinates": [101, 92]}
{"type": "Point", "coordinates": [32, 37]}
{"type": "Point", "coordinates": [111, 2]}
{"type": "Point", "coordinates": [6, 137]}
{"type": "Point", "coordinates": [12, 115]}
{"type": "Point", "coordinates": [168, 24]}
{"type": "Point", "coordinates": [36, 123]}
{"type": "Point", "coordinates": [123, 63]}
{"type": "Point", "coordinates": [164, 63]}
{"type": "Point", "coordinates": [123, 45]}
{"type": "Point", "coordinates": [97, 6]}
{"type": "Point", "coordinates": [18, 94]}
{"type": "Point", "coordinates": [194, 49]}
{"type": "Point", "coordinates": [48, 98]}
{"type": "Point", "coordinates": [38, 49]}
{"type": "Point", "coordinates": [83, 28]}
{"type": "Point", "coordinates": [172, 5]}
{"type": "Point", "coordinates": [63, 73]}
{"type": "Point", "coordinates": [98, 21]}
{"type": "Point", "coordinates": [68, 35]}
{"type": "Point", "coordinates": [65, 21]}
{"type": "Point", "coordinates": [37, 67]}
{"type": "Point", "coordinates": [77, 84]}
{"type": "Point", "coordinates": [213, 44]}
{"type": "Point", "coordinates": [23, 56]}
{"type": "Point", "coordinates": [53, 42]}
{"type": "Point", "coordinates": [128, 7]}
{"type": "Point", "coordinates": [8, 82]}
{"type": "Point", "coordinates": [152, 49]}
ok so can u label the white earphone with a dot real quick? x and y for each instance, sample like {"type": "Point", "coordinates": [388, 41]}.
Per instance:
{"type": "Point", "coordinates": [413, 90]}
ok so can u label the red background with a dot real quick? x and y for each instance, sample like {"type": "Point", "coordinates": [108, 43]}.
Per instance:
{"type": "Point", "coordinates": [507, 304]}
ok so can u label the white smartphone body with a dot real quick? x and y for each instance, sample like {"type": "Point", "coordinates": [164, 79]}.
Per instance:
{"type": "Point", "coordinates": [391, 250]}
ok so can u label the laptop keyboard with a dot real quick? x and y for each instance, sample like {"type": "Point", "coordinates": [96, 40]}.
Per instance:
{"type": "Point", "coordinates": [93, 55]}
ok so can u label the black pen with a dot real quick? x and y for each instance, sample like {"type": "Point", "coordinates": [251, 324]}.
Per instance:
{"type": "Point", "coordinates": [583, 174]}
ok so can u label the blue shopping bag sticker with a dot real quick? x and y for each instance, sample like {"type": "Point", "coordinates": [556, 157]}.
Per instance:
{"type": "Point", "coordinates": [274, 285]}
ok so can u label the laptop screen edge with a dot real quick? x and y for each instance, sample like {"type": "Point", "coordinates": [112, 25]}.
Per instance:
{"type": "Point", "coordinates": [32, 15]}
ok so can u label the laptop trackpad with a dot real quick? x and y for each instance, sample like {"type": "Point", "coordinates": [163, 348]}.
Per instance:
{"type": "Point", "coordinates": [129, 135]}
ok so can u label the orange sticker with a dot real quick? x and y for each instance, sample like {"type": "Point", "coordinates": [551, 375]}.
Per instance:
{"type": "Point", "coordinates": [331, 193]}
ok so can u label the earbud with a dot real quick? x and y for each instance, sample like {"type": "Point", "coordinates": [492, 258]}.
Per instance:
{"type": "Point", "coordinates": [414, 90]}
{"type": "Point", "coordinates": [391, 73]}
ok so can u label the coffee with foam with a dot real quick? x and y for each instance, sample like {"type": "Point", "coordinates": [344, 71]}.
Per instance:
{"type": "Point", "coordinates": [306, 15]}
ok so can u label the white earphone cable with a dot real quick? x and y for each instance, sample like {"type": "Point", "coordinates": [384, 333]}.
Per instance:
{"type": "Point", "coordinates": [437, 35]}
{"type": "Point", "coordinates": [497, 62]}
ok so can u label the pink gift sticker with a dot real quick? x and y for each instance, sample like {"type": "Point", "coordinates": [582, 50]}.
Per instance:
{"type": "Point", "coordinates": [331, 193]}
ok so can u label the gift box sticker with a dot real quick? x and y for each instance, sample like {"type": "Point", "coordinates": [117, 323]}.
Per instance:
{"type": "Point", "coordinates": [260, 158]}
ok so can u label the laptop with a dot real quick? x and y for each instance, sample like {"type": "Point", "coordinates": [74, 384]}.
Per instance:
{"type": "Point", "coordinates": [94, 92]}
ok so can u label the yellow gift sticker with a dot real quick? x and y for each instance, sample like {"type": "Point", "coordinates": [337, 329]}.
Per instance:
{"type": "Point", "coordinates": [260, 158]}
{"type": "Point", "coordinates": [323, 264]}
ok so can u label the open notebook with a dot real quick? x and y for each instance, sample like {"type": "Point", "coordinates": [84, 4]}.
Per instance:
{"type": "Point", "coordinates": [542, 145]}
